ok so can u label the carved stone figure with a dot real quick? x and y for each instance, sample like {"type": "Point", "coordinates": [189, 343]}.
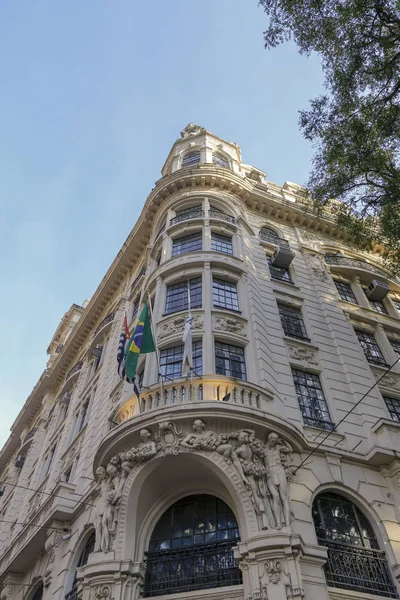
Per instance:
{"type": "Point", "coordinates": [100, 522]}
{"type": "Point", "coordinates": [275, 451]}
{"type": "Point", "coordinates": [191, 129]}
{"type": "Point", "coordinates": [317, 267]}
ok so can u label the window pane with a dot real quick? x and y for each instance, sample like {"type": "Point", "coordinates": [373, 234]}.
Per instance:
{"type": "Point", "coordinates": [220, 160]}
{"type": "Point", "coordinates": [345, 291]}
{"type": "Point", "coordinates": [188, 243]}
{"type": "Point", "coordinates": [229, 360]}
{"type": "Point", "coordinates": [171, 360]}
{"type": "Point", "coordinates": [371, 349]}
{"type": "Point", "coordinates": [393, 405]}
{"type": "Point", "coordinates": [225, 295]}
{"type": "Point", "coordinates": [396, 347]}
{"type": "Point", "coordinates": [292, 322]}
{"type": "Point", "coordinates": [191, 158]}
{"type": "Point", "coordinates": [221, 243]}
{"type": "Point", "coordinates": [279, 273]}
{"type": "Point", "coordinates": [177, 295]}
{"type": "Point", "coordinates": [311, 400]}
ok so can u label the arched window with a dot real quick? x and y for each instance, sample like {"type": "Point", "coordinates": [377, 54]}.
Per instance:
{"type": "Point", "coordinates": [83, 558]}
{"type": "Point", "coordinates": [354, 559]}
{"type": "Point", "coordinates": [268, 234]}
{"type": "Point", "coordinates": [191, 159]}
{"type": "Point", "coordinates": [220, 160]}
{"type": "Point", "coordinates": [38, 595]}
{"type": "Point", "coordinates": [191, 547]}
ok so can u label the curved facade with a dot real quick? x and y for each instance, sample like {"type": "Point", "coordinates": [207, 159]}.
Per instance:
{"type": "Point", "coordinates": [203, 487]}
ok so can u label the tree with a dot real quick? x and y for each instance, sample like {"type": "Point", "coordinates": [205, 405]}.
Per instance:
{"type": "Point", "coordinates": [355, 125]}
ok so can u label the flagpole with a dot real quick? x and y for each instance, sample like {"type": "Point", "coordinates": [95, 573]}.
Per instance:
{"type": "Point", "coordinates": [152, 324]}
{"type": "Point", "coordinates": [190, 313]}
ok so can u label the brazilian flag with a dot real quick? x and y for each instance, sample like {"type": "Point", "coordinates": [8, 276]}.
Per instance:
{"type": "Point", "coordinates": [140, 342]}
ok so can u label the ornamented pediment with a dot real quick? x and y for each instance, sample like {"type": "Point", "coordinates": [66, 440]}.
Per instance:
{"type": "Point", "coordinates": [191, 129]}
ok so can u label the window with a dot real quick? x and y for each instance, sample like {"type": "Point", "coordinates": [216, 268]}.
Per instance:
{"type": "Point", "coordinates": [345, 291]}
{"type": "Point", "coordinates": [48, 459]}
{"type": "Point", "coordinates": [311, 400]}
{"type": "Point", "coordinates": [396, 302]}
{"type": "Point", "coordinates": [221, 243]}
{"type": "Point", "coordinates": [191, 159]}
{"type": "Point", "coordinates": [38, 595]}
{"type": "Point", "coordinates": [229, 360]}
{"type": "Point", "coordinates": [371, 349]}
{"type": "Point", "coordinates": [67, 474]}
{"type": "Point", "coordinates": [267, 233]}
{"type": "Point", "coordinates": [393, 406]}
{"type": "Point", "coordinates": [292, 322]}
{"type": "Point", "coordinates": [396, 347]}
{"type": "Point", "coordinates": [377, 305]}
{"type": "Point", "coordinates": [279, 273]}
{"type": "Point", "coordinates": [82, 416]}
{"type": "Point", "coordinates": [220, 160]}
{"type": "Point", "coordinates": [354, 559]}
{"type": "Point", "coordinates": [96, 354]}
{"type": "Point", "coordinates": [191, 548]}
{"type": "Point", "coordinates": [188, 243]}
{"type": "Point", "coordinates": [135, 307]}
{"type": "Point", "coordinates": [225, 295]}
{"type": "Point", "coordinates": [177, 295]}
{"type": "Point", "coordinates": [83, 559]}
{"type": "Point", "coordinates": [171, 360]}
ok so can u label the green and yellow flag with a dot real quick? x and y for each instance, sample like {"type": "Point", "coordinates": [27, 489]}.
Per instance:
{"type": "Point", "coordinates": [140, 342]}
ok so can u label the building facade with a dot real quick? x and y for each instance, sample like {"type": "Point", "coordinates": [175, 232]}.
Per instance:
{"type": "Point", "coordinates": [271, 471]}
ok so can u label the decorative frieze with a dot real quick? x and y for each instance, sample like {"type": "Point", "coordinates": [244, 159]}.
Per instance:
{"type": "Point", "coordinates": [177, 325]}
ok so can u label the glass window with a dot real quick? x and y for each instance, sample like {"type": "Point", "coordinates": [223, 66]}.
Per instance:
{"type": "Point", "coordinates": [292, 322]}
{"type": "Point", "coordinates": [187, 243]}
{"type": "Point", "coordinates": [377, 305]}
{"type": "Point", "coordinates": [191, 547]}
{"type": "Point", "coordinates": [279, 273]}
{"type": "Point", "coordinates": [191, 159]}
{"type": "Point", "coordinates": [171, 360]}
{"type": "Point", "coordinates": [225, 295]}
{"type": "Point", "coordinates": [345, 291]}
{"type": "Point", "coordinates": [83, 559]}
{"type": "Point", "coordinates": [396, 302]}
{"type": "Point", "coordinates": [220, 160]}
{"type": "Point", "coordinates": [354, 559]}
{"type": "Point", "coordinates": [38, 595]}
{"type": "Point", "coordinates": [83, 415]}
{"type": "Point", "coordinates": [393, 406]}
{"type": "Point", "coordinates": [311, 400]}
{"type": "Point", "coordinates": [135, 307]}
{"type": "Point", "coordinates": [229, 360]}
{"type": "Point", "coordinates": [396, 347]}
{"type": "Point", "coordinates": [221, 243]}
{"type": "Point", "coordinates": [371, 349]}
{"type": "Point", "coordinates": [177, 295]}
{"type": "Point", "coordinates": [194, 212]}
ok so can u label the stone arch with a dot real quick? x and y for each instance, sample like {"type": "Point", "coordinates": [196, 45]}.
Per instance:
{"type": "Point", "coordinates": [151, 488]}
{"type": "Point", "coordinates": [35, 592]}
{"type": "Point", "coordinates": [271, 228]}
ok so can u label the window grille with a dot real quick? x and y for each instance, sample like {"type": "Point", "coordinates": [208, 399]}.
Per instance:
{"type": "Point", "coordinates": [229, 360]}
{"type": "Point", "coordinates": [135, 307]}
{"type": "Point", "coordinates": [225, 295]}
{"type": "Point", "coordinates": [221, 243]}
{"type": "Point", "coordinates": [177, 295]}
{"type": "Point", "coordinates": [396, 347]}
{"type": "Point", "coordinates": [393, 406]}
{"type": "Point", "coordinates": [171, 360]}
{"type": "Point", "coordinates": [269, 235]}
{"type": "Point", "coordinates": [191, 159]}
{"type": "Point", "coordinates": [345, 291]}
{"type": "Point", "coordinates": [354, 559]}
{"type": "Point", "coordinates": [219, 214]}
{"type": "Point", "coordinates": [220, 160]}
{"type": "Point", "coordinates": [371, 349]}
{"type": "Point", "coordinates": [377, 305]}
{"type": "Point", "coordinates": [191, 548]}
{"type": "Point", "coordinates": [188, 243]}
{"type": "Point", "coordinates": [311, 400]}
{"type": "Point", "coordinates": [292, 322]}
{"type": "Point", "coordinates": [194, 212]}
{"type": "Point", "coordinates": [279, 273]}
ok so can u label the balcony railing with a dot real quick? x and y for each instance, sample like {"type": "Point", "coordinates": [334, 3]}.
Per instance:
{"type": "Point", "coordinates": [136, 280]}
{"type": "Point", "coordinates": [30, 434]}
{"type": "Point", "coordinates": [214, 213]}
{"type": "Point", "coordinates": [74, 370]}
{"type": "Point", "coordinates": [274, 239]}
{"type": "Point", "coordinates": [161, 230]}
{"type": "Point", "coordinates": [190, 214]}
{"type": "Point", "coordinates": [345, 261]}
{"type": "Point", "coordinates": [358, 569]}
{"type": "Point", "coordinates": [104, 322]}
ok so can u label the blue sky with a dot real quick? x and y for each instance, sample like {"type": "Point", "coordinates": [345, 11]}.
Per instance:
{"type": "Point", "coordinates": [93, 96]}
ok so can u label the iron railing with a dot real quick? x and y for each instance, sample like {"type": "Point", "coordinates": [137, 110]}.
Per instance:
{"type": "Point", "coordinates": [161, 230]}
{"type": "Point", "coordinates": [214, 213]}
{"type": "Point", "coordinates": [74, 370]}
{"type": "Point", "coordinates": [140, 274]}
{"type": "Point", "coordinates": [274, 239]}
{"type": "Point", "coordinates": [104, 322]}
{"type": "Point", "coordinates": [360, 569]}
{"type": "Point", "coordinates": [186, 216]}
{"type": "Point", "coordinates": [191, 568]}
{"type": "Point", "coordinates": [345, 261]}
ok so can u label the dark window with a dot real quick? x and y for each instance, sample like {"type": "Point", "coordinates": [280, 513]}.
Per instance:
{"type": "Point", "coordinates": [266, 232]}
{"type": "Point", "coordinates": [220, 160]}
{"type": "Point", "coordinates": [88, 549]}
{"type": "Point", "coordinates": [371, 349]}
{"type": "Point", "coordinates": [396, 347]}
{"type": "Point", "coordinates": [171, 360]}
{"type": "Point", "coordinates": [177, 295]}
{"type": "Point", "coordinates": [38, 595]}
{"type": "Point", "coordinates": [67, 474]}
{"type": "Point", "coordinates": [345, 291]}
{"type": "Point", "coordinates": [393, 406]}
{"type": "Point", "coordinates": [396, 302]}
{"type": "Point", "coordinates": [292, 322]}
{"type": "Point", "coordinates": [191, 158]}
{"type": "Point", "coordinates": [83, 415]}
{"type": "Point", "coordinates": [354, 559]}
{"type": "Point", "coordinates": [221, 243]}
{"type": "Point", "coordinates": [279, 273]}
{"type": "Point", "coordinates": [377, 305]}
{"type": "Point", "coordinates": [135, 307]}
{"type": "Point", "coordinates": [191, 548]}
{"type": "Point", "coordinates": [229, 360]}
{"type": "Point", "coordinates": [188, 243]}
{"type": "Point", "coordinates": [225, 295]}
{"type": "Point", "coordinates": [48, 460]}
{"type": "Point", "coordinates": [311, 400]}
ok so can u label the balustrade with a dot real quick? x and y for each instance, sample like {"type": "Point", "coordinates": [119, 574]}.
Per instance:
{"type": "Point", "coordinates": [345, 261]}
{"type": "Point", "coordinates": [190, 214]}
{"type": "Point", "coordinates": [214, 213]}
{"type": "Point", "coordinates": [274, 239]}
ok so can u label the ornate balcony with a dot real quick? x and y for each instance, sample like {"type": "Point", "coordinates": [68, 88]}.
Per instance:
{"type": "Point", "coordinates": [108, 319]}
{"type": "Point", "coordinates": [75, 369]}
{"type": "Point", "coordinates": [187, 216]}
{"type": "Point", "coordinates": [345, 261]}
{"type": "Point", "coordinates": [214, 213]}
{"type": "Point", "coordinates": [274, 239]}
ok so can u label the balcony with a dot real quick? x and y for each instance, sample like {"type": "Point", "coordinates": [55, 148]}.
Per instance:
{"type": "Point", "coordinates": [108, 319]}
{"type": "Point", "coordinates": [214, 213]}
{"type": "Point", "coordinates": [265, 236]}
{"type": "Point", "coordinates": [345, 261]}
{"type": "Point", "coordinates": [187, 216]}
{"type": "Point", "coordinates": [75, 369]}
{"type": "Point", "coordinates": [137, 279]}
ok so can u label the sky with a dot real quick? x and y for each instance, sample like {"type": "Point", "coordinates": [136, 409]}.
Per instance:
{"type": "Point", "coordinates": [93, 95]}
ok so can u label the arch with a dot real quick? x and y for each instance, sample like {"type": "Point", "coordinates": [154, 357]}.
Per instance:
{"type": "Point", "coordinates": [191, 158]}
{"type": "Point", "coordinates": [191, 547]}
{"type": "Point", "coordinates": [84, 547]}
{"type": "Point", "coordinates": [270, 231]}
{"type": "Point", "coordinates": [355, 560]}
{"type": "Point", "coordinates": [37, 592]}
{"type": "Point", "coordinates": [221, 160]}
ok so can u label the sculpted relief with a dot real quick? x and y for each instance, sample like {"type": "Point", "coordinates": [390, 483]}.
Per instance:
{"type": "Point", "coordinates": [263, 467]}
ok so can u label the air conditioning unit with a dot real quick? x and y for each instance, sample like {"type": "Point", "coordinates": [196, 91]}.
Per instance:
{"type": "Point", "coordinates": [2, 490]}
{"type": "Point", "coordinates": [377, 290]}
{"type": "Point", "coordinates": [66, 399]}
{"type": "Point", "coordinates": [19, 463]}
{"type": "Point", "coordinates": [96, 352]}
{"type": "Point", "coordinates": [282, 257]}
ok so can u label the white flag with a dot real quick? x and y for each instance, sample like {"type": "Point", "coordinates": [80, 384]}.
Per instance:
{"type": "Point", "coordinates": [187, 350]}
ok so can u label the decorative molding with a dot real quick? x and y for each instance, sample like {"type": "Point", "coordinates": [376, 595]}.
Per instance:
{"type": "Point", "coordinates": [316, 267]}
{"type": "Point", "coordinates": [388, 381]}
{"type": "Point", "coordinates": [335, 468]}
{"type": "Point", "coordinates": [191, 129]}
{"type": "Point", "coordinates": [228, 324]}
{"type": "Point", "coordinates": [177, 325]}
{"type": "Point", "coordinates": [303, 354]}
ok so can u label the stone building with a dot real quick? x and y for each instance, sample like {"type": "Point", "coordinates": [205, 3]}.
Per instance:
{"type": "Point", "coordinates": [204, 487]}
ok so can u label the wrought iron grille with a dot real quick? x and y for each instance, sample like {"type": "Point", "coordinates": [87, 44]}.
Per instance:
{"type": "Point", "coordinates": [393, 406]}
{"type": "Point", "coordinates": [345, 261]}
{"type": "Point", "coordinates": [267, 235]}
{"type": "Point", "coordinates": [192, 567]}
{"type": "Point", "coordinates": [371, 349]}
{"type": "Point", "coordinates": [292, 322]}
{"type": "Point", "coordinates": [345, 291]}
{"type": "Point", "coordinates": [214, 213]}
{"type": "Point", "coordinates": [310, 396]}
{"type": "Point", "coordinates": [357, 568]}
{"type": "Point", "coordinates": [196, 213]}
{"type": "Point", "coordinates": [105, 321]}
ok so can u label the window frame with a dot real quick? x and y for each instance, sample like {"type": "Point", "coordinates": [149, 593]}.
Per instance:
{"type": "Point", "coordinates": [230, 359]}
{"type": "Point", "coordinates": [180, 289]}
{"type": "Point", "coordinates": [291, 319]}
{"type": "Point", "coordinates": [191, 162]}
{"type": "Point", "coordinates": [224, 241]}
{"type": "Point", "coordinates": [176, 352]}
{"type": "Point", "coordinates": [345, 294]}
{"type": "Point", "coordinates": [185, 241]}
{"type": "Point", "coordinates": [274, 271]}
{"type": "Point", "coordinates": [393, 407]}
{"type": "Point", "coordinates": [371, 346]}
{"type": "Point", "coordinates": [320, 403]}
{"type": "Point", "coordinates": [225, 291]}
{"type": "Point", "coordinates": [221, 160]}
